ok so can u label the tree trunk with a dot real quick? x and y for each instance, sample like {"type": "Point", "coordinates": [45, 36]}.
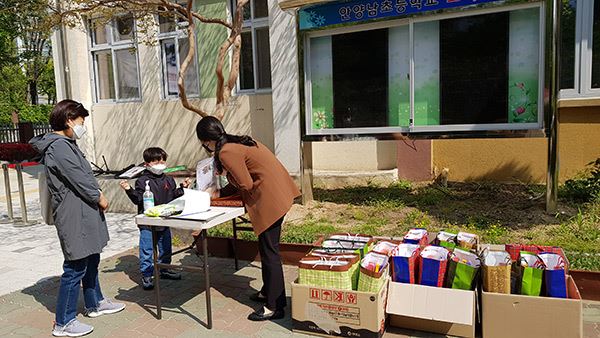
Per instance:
{"type": "Point", "coordinates": [33, 92]}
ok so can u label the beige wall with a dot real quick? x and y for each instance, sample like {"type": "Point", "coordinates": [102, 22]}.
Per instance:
{"type": "Point", "coordinates": [523, 159]}
{"type": "Point", "coordinates": [354, 155]}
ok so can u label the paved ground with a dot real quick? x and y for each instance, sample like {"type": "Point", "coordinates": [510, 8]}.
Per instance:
{"type": "Point", "coordinates": [33, 252]}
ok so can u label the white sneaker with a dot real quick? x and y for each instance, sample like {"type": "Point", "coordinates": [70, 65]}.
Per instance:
{"type": "Point", "coordinates": [105, 307]}
{"type": "Point", "coordinates": [73, 328]}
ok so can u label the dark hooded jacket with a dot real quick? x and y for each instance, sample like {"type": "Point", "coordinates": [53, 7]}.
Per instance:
{"type": "Point", "coordinates": [75, 193]}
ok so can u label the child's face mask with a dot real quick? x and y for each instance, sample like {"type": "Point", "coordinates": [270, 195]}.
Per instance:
{"type": "Point", "coordinates": [157, 169]}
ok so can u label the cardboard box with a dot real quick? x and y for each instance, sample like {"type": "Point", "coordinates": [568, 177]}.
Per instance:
{"type": "Point", "coordinates": [431, 309]}
{"type": "Point", "coordinates": [324, 311]}
{"type": "Point", "coordinates": [526, 316]}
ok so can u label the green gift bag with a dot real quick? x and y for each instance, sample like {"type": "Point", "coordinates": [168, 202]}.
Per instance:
{"type": "Point", "coordinates": [323, 272]}
{"type": "Point", "coordinates": [373, 272]}
{"type": "Point", "coordinates": [529, 271]}
{"type": "Point", "coordinates": [353, 258]}
{"type": "Point", "coordinates": [462, 270]}
{"type": "Point", "coordinates": [345, 243]}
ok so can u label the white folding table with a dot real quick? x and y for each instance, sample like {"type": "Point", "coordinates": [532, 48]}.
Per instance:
{"type": "Point", "coordinates": [227, 214]}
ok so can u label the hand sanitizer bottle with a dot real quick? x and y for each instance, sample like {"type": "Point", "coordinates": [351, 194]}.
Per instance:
{"type": "Point", "coordinates": [148, 197]}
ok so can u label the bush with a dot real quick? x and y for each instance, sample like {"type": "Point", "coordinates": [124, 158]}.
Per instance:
{"type": "Point", "coordinates": [27, 113]}
{"type": "Point", "coordinates": [585, 187]}
{"type": "Point", "coordinates": [16, 152]}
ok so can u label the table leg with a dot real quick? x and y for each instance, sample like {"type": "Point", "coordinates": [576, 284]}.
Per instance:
{"type": "Point", "coordinates": [206, 278]}
{"type": "Point", "coordinates": [235, 258]}
{"type": "Point", "coordinates": [156, 272]}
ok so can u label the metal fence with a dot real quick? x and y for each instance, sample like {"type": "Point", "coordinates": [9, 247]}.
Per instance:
{"type": "Point", "coordinates": [10, 134]}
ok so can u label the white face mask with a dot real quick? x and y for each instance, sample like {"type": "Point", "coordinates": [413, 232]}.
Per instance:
{"type": "Point", "coordinates": [157, 169]}
{"type": "Point", "coordinates": [78, 131]}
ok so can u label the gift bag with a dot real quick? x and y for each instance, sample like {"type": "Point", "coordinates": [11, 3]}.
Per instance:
{"type": "Point", "coordinates": [555, 276]}
{"type": "Point", "coordinates": [496, 271]}
{"type": "Point", "coordinates": [373, 272]}
{"type": "Point", "coordinates": [386, 247]}
{"type": "Point", "coordinates": [353, 258]}
{"type": "Point", "coordinates": [515, 249]}
{"type": "Point", "coordinates": [405, 262]}
{"type": "Point", "coordinates": [463, 266]}
{"type": "Point", "coordinates": [346, 243]}
{"type": "Point", "coordinates": [323, 272]}
{"type": "Point", "coordinates": [432, 265]}
{"type": "Point", "coordinates": [446, 239]}
{"type": "Point", "coordinates": [528, 271]}
{"type": "Point", "coordinates": [466, 240]}
{"type": "Point", "coordinates": [416, 236]}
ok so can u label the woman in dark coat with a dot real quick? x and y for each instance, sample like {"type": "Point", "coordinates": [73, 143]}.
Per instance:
{"type": "Point", "coordinates": [78, 208]}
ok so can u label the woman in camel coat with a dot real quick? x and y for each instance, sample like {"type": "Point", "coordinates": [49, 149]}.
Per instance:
{"type": "Point", "coordinates": [268, 192]}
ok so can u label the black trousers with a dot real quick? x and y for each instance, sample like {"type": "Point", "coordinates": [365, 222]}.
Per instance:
{"type": "Point", "coordinates": [272, 270]}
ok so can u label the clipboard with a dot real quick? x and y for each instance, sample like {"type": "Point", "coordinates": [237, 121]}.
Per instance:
{"type": "Point", "coordinates": [203, 216]}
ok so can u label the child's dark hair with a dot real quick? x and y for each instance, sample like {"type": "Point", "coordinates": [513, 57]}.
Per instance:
{"type": "Point", "coordinates": [211, 129]}
{"type": "Point", "coordinates": [154, 154]}
{"type": "Point", "coordinates": [64, 111]}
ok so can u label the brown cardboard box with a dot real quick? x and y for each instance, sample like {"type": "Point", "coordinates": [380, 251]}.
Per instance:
{"type": "Point", "coordinates": [526, 316]}
{"type": "Point", "coordinates": [325, 311]}
{"type": "Point", "coordinates": [425, 308]}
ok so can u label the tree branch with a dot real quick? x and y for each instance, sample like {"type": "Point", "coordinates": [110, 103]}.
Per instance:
{"type": "Point", "coordinates": [184, 66]}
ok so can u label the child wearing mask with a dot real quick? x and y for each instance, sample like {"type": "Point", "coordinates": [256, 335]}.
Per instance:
{"type": "Point", "coordinates": [165, 190]}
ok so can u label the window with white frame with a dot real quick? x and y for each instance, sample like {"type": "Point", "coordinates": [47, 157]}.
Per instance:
{"type": "Point", "coordinates": [580, 49]}
{"type": "Point", "coordinates": [115, 59]}
{"type": "Point", "coordinates": [174, 47]}
{"type": "Point", "coordinates": [255, 58]}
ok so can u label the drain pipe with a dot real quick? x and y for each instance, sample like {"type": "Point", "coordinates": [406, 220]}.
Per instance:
{"type": "Point", "coordinates": [64, 57]}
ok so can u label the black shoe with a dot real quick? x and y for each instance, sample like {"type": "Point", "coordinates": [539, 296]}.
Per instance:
{"type": "Point", "coordinates": [147, 283]}
{"type": "Point", "coordinates": [259, 315]}
{"type": "Point", "coordinates": [168, 274]}
{"type": "Point", "coordinates": [257, 297]}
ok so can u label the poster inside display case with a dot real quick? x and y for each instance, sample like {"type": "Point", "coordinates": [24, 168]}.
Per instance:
{"type": "Point", "coordinates": [476, 70]}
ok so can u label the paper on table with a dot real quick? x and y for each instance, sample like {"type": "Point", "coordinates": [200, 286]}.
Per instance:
{"type": "Point", "coordinates": [205, 174]}
{"type": "Point", "coordinates": [194, 201]}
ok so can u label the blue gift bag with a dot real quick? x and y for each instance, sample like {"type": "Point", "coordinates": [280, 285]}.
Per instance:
{"type": "Point", "coordinates": [404, 263]}
{"type": "Point", "coordinates": [556, 283]}
{"type": "Point", "coordinates": [432, 266]}
{"type": "Point", "coordinates": [555, 275]}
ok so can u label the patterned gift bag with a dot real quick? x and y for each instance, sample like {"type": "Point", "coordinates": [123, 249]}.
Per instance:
{"type": "Point", "coordinates": [555, 275]}
{"type": "Point", "coordinates": [515, 249]}
{"type": "Point", "coordinates": [323, 272]}
{"type": "Point", "coordinates": [433, 261]}
{"type": "Point", "coordinates": [345, 243]}
{"type": "Point", "coordinates": [416, 236]}
{"type": "Point", "coordinates": [386, 247]}
{"type": "Point", "coordinates": [353, 258]}
{"type": "Point", "coordinates": [405, 262]}
{"type": "Point", "coordinates": [373, 272]}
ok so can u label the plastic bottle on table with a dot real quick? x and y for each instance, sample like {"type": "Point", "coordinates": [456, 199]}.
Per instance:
{"type": "Point", "coordinates": [148, 197]}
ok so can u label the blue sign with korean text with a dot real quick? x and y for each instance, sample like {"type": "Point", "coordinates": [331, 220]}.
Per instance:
{"type": "Point", "coordinates": [334, 13]}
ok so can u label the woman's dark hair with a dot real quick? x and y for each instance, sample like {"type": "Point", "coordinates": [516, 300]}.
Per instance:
{"type": "Point", "coordinates": [154, 154]}
{"type": "Point", "coordinates": [66, 110]}
{"type": "Point", "coordinates": [211, 129]}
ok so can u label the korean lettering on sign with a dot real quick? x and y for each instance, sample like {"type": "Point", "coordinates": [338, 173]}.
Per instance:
{"type": "Point", "coordinates": [334, 13]}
